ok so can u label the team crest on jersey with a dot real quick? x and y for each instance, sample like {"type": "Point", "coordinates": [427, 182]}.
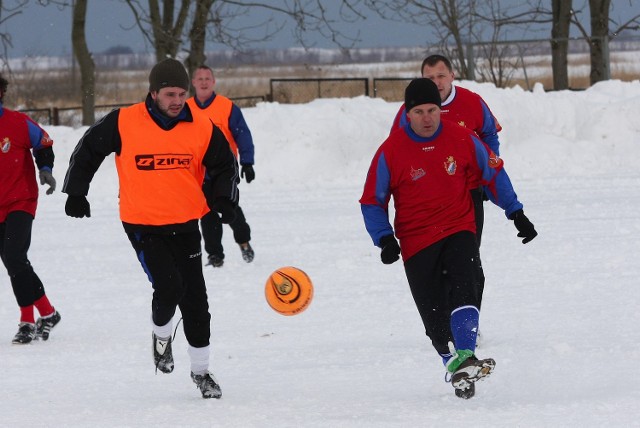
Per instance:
{"type": "Point", "coordinates": [6, 145]}
{"type": "Point", "coordinates": [494, 160]}
{"type": "Point", "coordinates": [417, 174]}
{"type": "Point", "coordinates": [450, 165]}
{"type": "Point", "coordinates": [461, 123]}
{"type": "Point", "coordinates": [46, 140]}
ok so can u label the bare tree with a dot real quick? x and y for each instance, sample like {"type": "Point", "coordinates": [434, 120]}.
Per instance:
{"type": "Point", "coordinates": [85, 61]}
{"type": "Point", "coordinates": [561, 22]}
{"type": "Point", "coordinates": [223, 22]}
{"type": "Point", "coordinates": [198, 34]}
{"type": "Point", "coordinates": [7, 12]}
{"type": "Point", "coordinates": [500, 58]}
{"type": "Point", "coordinates": [162, 28]}
{"type": "Point", "coordinates": [599, 52]}
{"type": "Point", "coordinates": [452, 22]}
{"type": "Point", "coordinates": [603, 30]}
{"type": "Point", "coordinates": [464, 27]}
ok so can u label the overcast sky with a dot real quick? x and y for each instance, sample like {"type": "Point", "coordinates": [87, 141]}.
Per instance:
{"type": "Point", "coordinates": [47, 30]}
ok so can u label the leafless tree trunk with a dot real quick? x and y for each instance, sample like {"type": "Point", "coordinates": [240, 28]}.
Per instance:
{"type": "Point", "coordinates": [599, 12]}
{"type": "Point", "coordinates": [198, 34]}
{"type": "Point", "coordinates": [166, 32]}
{"type": "Point", "coordinates": [461, 27]}
{"type": "Point", "coordinates": [85, 61]}
{"type": "Point", "coordinates": [162, 28]}
{"type": "Point", "coordinates": [453, 20]}
{"type": "Point", "coordinates": [561, 10]}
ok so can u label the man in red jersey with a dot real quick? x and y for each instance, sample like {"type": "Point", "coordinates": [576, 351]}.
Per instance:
{"type": "Point", "coordinates": [19, 136]}
{"type": "Point", "coordinates": [466, 108]}
{"type": "Point", "coordinates": [429, 166]}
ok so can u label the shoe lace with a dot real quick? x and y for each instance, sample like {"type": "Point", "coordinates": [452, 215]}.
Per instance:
{"type": "Point", "coordinates": [171, 339]}
{"type": "Point", "coordinates": [453, 359]}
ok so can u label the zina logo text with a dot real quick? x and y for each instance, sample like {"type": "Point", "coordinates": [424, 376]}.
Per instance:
{"type": "Point", "coordinates": [163, 161]}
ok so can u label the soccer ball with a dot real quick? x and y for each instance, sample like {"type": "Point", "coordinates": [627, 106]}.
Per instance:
{"type": "Point", "coordinates": [288, 290]}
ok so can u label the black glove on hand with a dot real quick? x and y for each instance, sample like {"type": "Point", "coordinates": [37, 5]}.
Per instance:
{"type": "Point", "coordinates": [226, 208]}
{"type": "Point", "coordinates": [390, 249]}
{"type": "Point", "coordinates": [524, 226]}
{"type": "Point", "coordinates": [77, 206]}
{"type": "Point", "coordinates": [247, 173]}
{"type": "Point", "coordinates": [47, 178]}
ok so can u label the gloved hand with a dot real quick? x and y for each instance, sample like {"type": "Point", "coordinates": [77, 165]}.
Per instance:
{"type": "Point", "coordinates": [247, 173]}
{"type": "Point", "coordinates": [77, 206]}
{"type": "Point", "coordinates": [390, 249]}
{"type": "Point", "coordinates": [47, 178]}
{"type": "Point", "coordinates": [524, 226]}
{"type": "Point", "coordinates": [226, 208]}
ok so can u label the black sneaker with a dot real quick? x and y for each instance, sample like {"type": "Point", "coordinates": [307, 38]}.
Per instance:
{"type": "Point", "coordinates": [215, 261]}
{"type": "Point", "coordinates": [162, 355]}
{"type": "Point", "coordinates": [247, 252]}
{"type": "Point", "coordinates": [467, 392]}
{"type": "Point", "coordinates": [26, 333]}
{"type": "Point", "coordinates": [470, 371]}
{"type": "Point", "coordinates": [207, 385]}
{"type": "Point", "coordinates": [46, 324]}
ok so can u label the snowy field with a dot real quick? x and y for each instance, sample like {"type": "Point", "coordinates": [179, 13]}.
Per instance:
{"type": "Point", "coordinates": [560, 315]}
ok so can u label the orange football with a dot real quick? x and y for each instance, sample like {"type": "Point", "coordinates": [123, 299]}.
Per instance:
{"type": "Point", "coordinates": [289, 291]}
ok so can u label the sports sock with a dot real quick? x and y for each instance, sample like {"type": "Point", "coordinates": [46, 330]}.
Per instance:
{"type": "Point", "coordinates": [26, 314]}
{"type": "Point", "coordinates": [44, 306]}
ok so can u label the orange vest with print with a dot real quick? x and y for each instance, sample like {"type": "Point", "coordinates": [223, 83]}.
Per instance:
{"type": "Point", "coordinates": [219, 111]}
{"type": "Point", "coordinates": [161, 171]}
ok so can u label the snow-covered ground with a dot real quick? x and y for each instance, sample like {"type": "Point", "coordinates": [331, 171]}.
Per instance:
{"type": "Point", "coordinates": [560, 314]}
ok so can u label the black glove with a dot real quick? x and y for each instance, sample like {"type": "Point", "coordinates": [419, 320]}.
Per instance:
{"type": "Point", "coordinates": [77, 206]}
{"type": "Point", "coordinates": [524, 226]}
{"type": "Point", "coordinates": [390, 249]}
{"type": "Point", "coordinates": [226, 208]}
{"type": "Point", "coordinates": [247, 173]}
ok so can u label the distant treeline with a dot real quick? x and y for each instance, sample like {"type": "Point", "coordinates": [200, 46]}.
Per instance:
{"type": "Point", "coordinates": [295, 56]}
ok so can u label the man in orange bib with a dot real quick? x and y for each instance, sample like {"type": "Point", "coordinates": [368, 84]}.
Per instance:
{"type": "Point", "coordinates": [162, 152]}
{"type": "Point", "coordinates": [228, 117]}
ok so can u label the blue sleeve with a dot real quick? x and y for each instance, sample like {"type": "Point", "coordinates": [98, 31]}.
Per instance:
{"type": "Point", "coordinates": [36, 134]}
{"type": "Point", "coordinates": [489, 132]}
{"type": "Point", "coordinates": [242, 135]}
{"type": "Point", "coordinates": [375, 206]}
{"type": "Point", "coordinates": [499, 188]}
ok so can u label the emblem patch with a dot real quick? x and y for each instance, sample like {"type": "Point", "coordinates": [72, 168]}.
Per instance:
{"type": "Point", "coordinates": [494, 160]}
{"type": "Point", "coordinates": [450, 165]}
{"type": "Point", "coordinates": [6, 145]}
{"type": "Point", "coordinates": [417, 173]}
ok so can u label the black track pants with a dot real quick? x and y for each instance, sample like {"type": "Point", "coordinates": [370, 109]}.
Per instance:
{"type": "Point", "coordinates": [443, 277]}
{"type": "Point", "coordinates": [212, 231]}
{"type": "Point", "coordinates": [15, 240]}
{"type": "Point", "coordinates": [173, 264]}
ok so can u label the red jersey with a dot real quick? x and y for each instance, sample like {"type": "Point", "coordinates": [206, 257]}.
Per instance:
{"type": "Point", "coordinates": [430, 179]}
{"type": "Point", "coordinates": [468, 109]}
{"type": "Point", "coordinates": [19, 135]}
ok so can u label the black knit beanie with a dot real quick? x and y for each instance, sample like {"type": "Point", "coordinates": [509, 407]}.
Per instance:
{"type": "Point", "coordinates": [421, 91]}
{"type": "Point", "coordinates": [168, 73]}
